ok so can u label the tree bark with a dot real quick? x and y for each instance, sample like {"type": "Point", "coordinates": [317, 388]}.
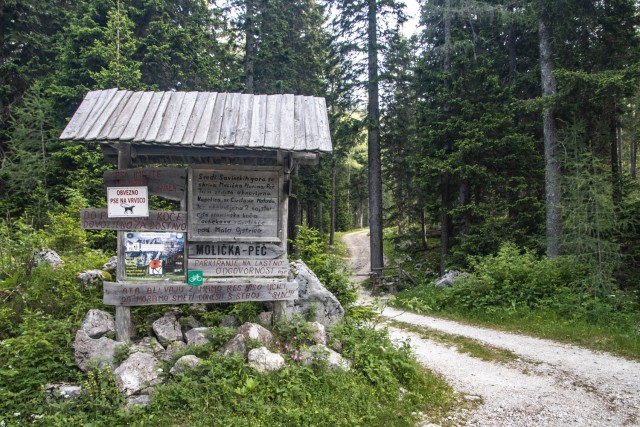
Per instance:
{"type": "Point", "coordinates": [373, 139]}
{"type": "Point", "coordinates": [294, 217]}
{"type": "Point", "coordinates": [553, 174]}
{"type": "Point", "coordinates": [249, 46]}
{"type": "Point", "coordinates": [633, 146]}
{"type": "Point", "coordinates": [332, 230]}
{"type": "Point", "coordinates": [445, 180]}
{"type": "Point", "coordinates": [616, 179]}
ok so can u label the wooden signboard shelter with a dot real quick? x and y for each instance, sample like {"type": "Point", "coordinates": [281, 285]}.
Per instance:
{"type": "Point", "coordinates": [226, 158]}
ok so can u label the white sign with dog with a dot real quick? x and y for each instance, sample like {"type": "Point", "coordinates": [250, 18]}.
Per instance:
{"type": "Point", "coordinates": [124, 202]}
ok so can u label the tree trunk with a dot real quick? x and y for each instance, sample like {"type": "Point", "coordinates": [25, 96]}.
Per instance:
{"type": "Point", "coordinates": [332, 230]}
{"type": "Point", "coordinates": [616, 179]}
{"type": "Point", "coordinates": [445, 180]}
{"type": "Point", "coordinates": [633, 149]}
{"type": "Point", "coordinates": [373, 139]}
{"type": "Point", "coordinates": [321, 217]}
{"type": "Point", "coordinates": [294, 218]}
{"type": "Point", "coordinates": [249, 47]}
{"type": "Point", "coordinates": [464, 198]}
{"type": "Point", "coordinates": [423, 228]}
{"type": "Point", "coordinates": [311, 218]}
{"type": "Point", "coordinates": [553, 174]}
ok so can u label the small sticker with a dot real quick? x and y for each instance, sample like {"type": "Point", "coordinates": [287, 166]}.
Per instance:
{"type": "Point", "coordinates": [194, 277]}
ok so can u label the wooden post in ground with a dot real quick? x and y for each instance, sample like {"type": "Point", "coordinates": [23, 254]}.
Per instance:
{"type": "Point", "coordinates": [280, 307]}
{"type": "Point", "coordinates": [123, 314]}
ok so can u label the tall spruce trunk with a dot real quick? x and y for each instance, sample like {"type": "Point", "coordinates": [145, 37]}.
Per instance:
{"type": "Point", "coordinates": [334, 191]}
{"type": "Point", "coordinates": [553, 173]}
{"type": "Point", "coordinates": [445, 179]}
{"type": "Point", "coordinates": [373, 139]}
{"type": "Point", "coordinates": [633, 149]}
{"type": "Point", "coordinates": [249, 46]}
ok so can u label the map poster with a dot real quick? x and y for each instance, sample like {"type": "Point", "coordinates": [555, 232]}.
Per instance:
{"type": "Point", "coordinates": [154, 255]}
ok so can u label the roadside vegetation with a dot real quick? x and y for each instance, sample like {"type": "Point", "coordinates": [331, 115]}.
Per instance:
{"type": "Point", "coordinates": [41, 308]}
{"type": "Point", "coordinates": [518, 290]}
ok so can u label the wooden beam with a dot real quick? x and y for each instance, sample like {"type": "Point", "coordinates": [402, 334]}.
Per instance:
{"type": "Point", "coordinates": [123, 314]}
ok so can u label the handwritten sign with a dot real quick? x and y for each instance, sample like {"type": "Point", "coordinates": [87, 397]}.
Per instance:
{"type": "Point", "coordinates": [156, 293]}
{"type": "Point", "coordinates": [241, 267]}
{"type": "Point", "coordinates": [98, 219]}
{"type": "Point", "coordinates": [170, 183]}
{"type": "Point", "coordinates": [123, 202]}
{"type": "Point", "coordinates": [233, 204]}
{"type": "Point", "coordinates": [226, 250]}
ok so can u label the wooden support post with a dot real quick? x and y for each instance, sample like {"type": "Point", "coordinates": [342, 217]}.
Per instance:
{"type": "Point", "coordinates": [280, 307]}
{"type": "Point", "coordinates": [123, 314]}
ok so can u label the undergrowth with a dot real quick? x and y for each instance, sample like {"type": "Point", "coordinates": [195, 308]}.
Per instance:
{"type": "Point", "coordinates": [518, 290]}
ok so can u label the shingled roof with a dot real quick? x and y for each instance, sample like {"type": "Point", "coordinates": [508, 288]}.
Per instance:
{"type": "Point", "coordinates": [203, 119]}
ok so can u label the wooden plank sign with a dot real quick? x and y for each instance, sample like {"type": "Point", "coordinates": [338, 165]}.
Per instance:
{"type": "Point", "coordinates": [98, 219]}
{"type": "Point", "coordinates": [241, 267]}
{"type": "Point", "coordinates": [234, 204]}
{"type": "Point", "coordinates": [156, 293]}
{"type": "Point", "coordinates": [170, 183]}
{"type": "Point", "coordinates": [226, 250]}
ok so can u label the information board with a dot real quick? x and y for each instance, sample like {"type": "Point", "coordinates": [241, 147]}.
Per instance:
{"type": "Point", "coordinates": [234, 204]}
{"type": "Point", "coordinates": [152, 293]}
{"type": "Point", "coordinates": [98, 219]}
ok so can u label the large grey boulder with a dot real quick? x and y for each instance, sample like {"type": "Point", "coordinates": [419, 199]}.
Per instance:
{"type": "Point", "coordinates": [263, 360]}
{"type": "Point", "coordinates": [62, 391]}
{"type": "Point", "coordinates": [140, 400]}
{"type": "Point", "coordinates": [171, 350]}
{"type": "Point", "coordinates": [98, 323]}
{"type": "Point", "coordinates": [322, 354]}
{"type": "Point", "coordinates": [167, 329]}
{"type": "Point", "coordinates": [148, 345]}
{"type": "Point", "coordinates": [111, 266]}
{"type": "Point", "coordinates": [49, 256]}
{"type": "Point", "coordinates": [185, 362]}
{"type": "Point", "coordinates": [196, 336]}
{"type": "Point", "coordinates": [320, 334]}
{"type": "Point", "coordinates": [94, 352]}
{"type": "Point", "coordinates": [311, 293]}
{"type": "Point", "coordinates": [247, 331]}
{"type": "Point", "coordinates": [90, 278]}
{"type": "Point", "coordinates": [139, 372]}
{"type": "Point", "coordinates": [447, 280]}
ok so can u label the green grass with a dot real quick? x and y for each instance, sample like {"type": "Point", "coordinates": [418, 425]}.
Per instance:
{"type": "Point", "coordinates": [616, 334]}
{"type": "Point", "coordinates": [385, 387]}
{"type": "Point", "coordinates": [465, 345]}
{"type": "Point", "coordinates": [619, 339]}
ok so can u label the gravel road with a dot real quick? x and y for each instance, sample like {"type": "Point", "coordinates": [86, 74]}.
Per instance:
{"type": "Point", "coordinates": [551, 384]}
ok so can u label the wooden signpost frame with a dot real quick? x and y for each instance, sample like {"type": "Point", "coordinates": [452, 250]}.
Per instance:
{"type": "Point", "coordinates": [123, 312]}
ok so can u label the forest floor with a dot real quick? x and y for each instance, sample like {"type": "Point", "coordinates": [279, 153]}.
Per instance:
{"type": "Point", "coordinates": [546, 384]}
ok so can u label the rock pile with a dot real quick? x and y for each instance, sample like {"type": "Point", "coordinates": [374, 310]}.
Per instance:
{"type": "Point", "coordinates": [138, 367]}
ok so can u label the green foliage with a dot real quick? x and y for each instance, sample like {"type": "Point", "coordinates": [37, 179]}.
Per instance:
{"type": "Point", "coordinates": [41, 352]}
{"type": "Point", "coordinates": [591, 224]}
{"type": "Point", "coordinates": [329, 268]}
{"type": "Point", "coordinates": [545, 296]}
{"type": "Point", "coordinates": [218, 336]}
{"type": "Point", "coordinates": [62, 232]}
{"type": "Point", "coordinates": [245, 311]}
{"type": "Point", "coordinates": [100, 392]}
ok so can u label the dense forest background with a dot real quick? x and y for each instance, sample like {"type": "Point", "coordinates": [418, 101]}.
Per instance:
{"type": "Point", "coordinates": [497, 121]}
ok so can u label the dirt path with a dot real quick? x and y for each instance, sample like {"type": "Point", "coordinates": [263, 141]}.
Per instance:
{"type": "Point", "coordinates": [552, 384]}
